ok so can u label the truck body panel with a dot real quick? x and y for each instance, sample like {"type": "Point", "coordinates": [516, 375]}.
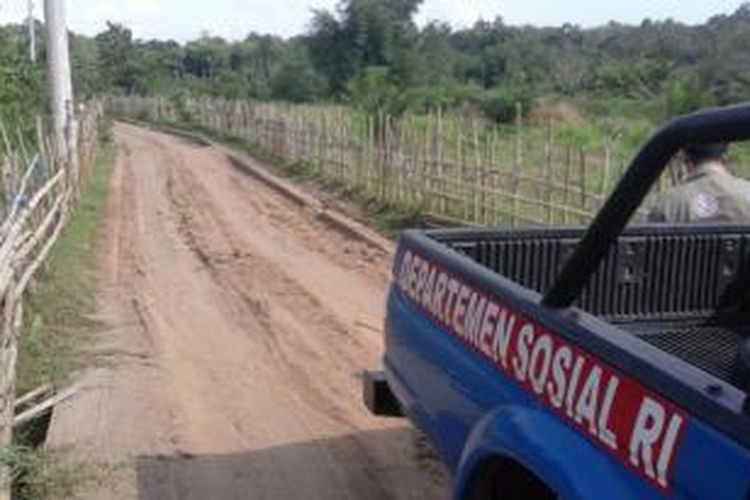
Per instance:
{"type": "Point", "coordinates": [604, 362]}
{"type": "Point", "coordinates": [453, 390]}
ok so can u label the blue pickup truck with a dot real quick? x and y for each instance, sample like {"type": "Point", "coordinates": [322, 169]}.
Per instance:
{"type": "Point", "coordinates": [604, 363]}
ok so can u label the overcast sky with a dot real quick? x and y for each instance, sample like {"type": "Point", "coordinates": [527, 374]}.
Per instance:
{"type": "Point", "coordinates": [186, 19]}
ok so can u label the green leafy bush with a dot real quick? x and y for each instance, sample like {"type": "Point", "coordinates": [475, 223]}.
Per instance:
{"type": "Point", "coordinates": [499, 104]}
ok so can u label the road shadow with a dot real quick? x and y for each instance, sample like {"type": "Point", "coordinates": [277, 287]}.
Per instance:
{"type": "Point", "coordinates": [337, 468]}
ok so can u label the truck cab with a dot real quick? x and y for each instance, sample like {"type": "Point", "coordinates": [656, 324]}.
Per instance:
{"type": "Point", "coordinates": [607, 362]}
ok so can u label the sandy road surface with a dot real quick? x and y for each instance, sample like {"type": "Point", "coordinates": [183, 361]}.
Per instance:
{"type": "Point", "coordinates": [235, 328]}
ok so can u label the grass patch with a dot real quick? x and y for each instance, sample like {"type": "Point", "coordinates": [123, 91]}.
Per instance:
{"type": "Point", "coordinates": [57, 322]}
{"type": "Point", "coordinates": [62, 299]}
{"type": "Point", "coordinates": [39, 474]}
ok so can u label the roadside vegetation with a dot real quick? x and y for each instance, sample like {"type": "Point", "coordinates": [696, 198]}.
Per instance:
{"type": "Point", "coordinates": [591, 96]}
{"type": "Point", "coordinates": [602, 90]}
{"type": "Point", "coordinates": [60, 300]}
{"type": "Point", "coordinates": [61, 303]}
{"type": "Point", "coordinates": [51, 348]}
{"type": "Point", "coordinates": [371, 54]}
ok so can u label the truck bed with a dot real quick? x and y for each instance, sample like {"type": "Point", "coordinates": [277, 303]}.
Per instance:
{"type": "Point", "coordinates": [712, 348]}
{"type": "Point", "coordinates": [680, 289]}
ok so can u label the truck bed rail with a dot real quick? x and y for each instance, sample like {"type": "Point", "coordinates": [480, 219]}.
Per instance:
{"type": "Point", "coordinates": [649, 274]}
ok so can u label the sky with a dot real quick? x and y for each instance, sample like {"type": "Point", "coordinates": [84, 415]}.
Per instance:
{"type": "Point", "coordinates": [188, 19]}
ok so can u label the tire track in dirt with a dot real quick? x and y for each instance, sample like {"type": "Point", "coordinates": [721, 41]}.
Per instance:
{"type": "Point", "coordinates": [254, 319]}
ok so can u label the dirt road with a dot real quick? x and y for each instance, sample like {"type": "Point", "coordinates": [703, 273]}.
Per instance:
{"type": "Point", "coordinates": [236, 325]}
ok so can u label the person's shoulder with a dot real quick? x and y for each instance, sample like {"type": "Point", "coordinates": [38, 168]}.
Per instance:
{"type": "Point", "coordinates": [679, 194]}
{"type": "Point", "coordinates": [668, 205]}
{"type": "Point", "coordinates": [742, 187]}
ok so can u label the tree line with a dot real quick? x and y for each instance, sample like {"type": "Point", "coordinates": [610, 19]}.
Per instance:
{"type": "Point", "coordinates": [372, 54]}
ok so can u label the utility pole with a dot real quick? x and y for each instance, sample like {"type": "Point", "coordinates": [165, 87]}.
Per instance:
{"type": "Point", "coordinates": [58, 62]}
{"type": "Point", "coordinates": [32, 33]}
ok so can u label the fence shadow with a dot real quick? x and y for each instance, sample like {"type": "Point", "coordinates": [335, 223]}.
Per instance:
{"type": "Point", "coordinates": [336, 468]}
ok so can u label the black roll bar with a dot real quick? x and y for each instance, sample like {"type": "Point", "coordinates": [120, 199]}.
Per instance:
{"type": "Point", "coordinates": [717, 125]}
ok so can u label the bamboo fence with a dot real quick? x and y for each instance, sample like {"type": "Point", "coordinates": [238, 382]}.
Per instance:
{"type": "Point", "coordinates": [459, 166]}
{"type": "Point", "coordinates": [39, 190]}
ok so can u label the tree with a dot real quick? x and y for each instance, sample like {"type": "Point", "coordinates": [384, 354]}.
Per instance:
{"type": "Point", "coordinates": [367, 33]}
{"type": "Point", "coordinates": [117, 60]}
{"type": "Point", "coordinates": [376, 42]}
{"type": "Point", "coordinates": [295, 79]}
{"type": "Point", "coordinates": [437, 57]}
{"type": "Point", "coordinates": [84, 56]}
{"type": "Point", "coordinates": [207, 57]}
{"type": "Point", "coordinates": [162, 65]}
{"type": "Point", "coordinates": [374, 92]}
{"type": "Point", "coordinates": [329, 51]}
{"type": "Point", "coordinates": [683, 95]}
{"type": "Point", "coordinates": [21, 85]}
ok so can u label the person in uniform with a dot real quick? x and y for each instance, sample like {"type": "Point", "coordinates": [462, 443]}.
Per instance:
{"type": "Point", "coordinates": [708, 194]}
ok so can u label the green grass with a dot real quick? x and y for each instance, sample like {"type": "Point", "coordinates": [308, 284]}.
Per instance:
{"type": "Point", "coordinates": [57, 323]}
{"type": "Point", "coordinates": [39, 474]}
{"type": "Point", "coordinates": [59, 306]}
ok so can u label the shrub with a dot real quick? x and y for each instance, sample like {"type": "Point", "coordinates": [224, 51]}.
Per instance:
{"type": "Point", "coordinates": [499, 103]}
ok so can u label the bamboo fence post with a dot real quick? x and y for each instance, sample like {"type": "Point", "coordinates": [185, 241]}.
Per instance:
{"type": "Point", "coordinates": [341, 142]}
{"type": "Point", "coordinates": [400, 162]}
{"type": "Point", "coordinates": [27, 226]}
{"type": "Point", "coordinates": [383, 155]}
{"type": "Point", "coordinates": [518, 164]}
{"type": "Point", "coordinates": [319, 143]}
{"type": "Point", "coordinates": [342, 146]}
{"type": "Point", "coordinates": [350, 156]}
{"type": "Point", "coordinates": [324, 154]}
{"type": "Point", "coordinates": [566, 183]}
{"type": "Point", "coordinates": [311, 141]}
{"type": "Point", "coordinates": [417, 145]}
{"type": "Point", "coordinates": [8, 358]}
{"type": "Point", "coordinates": [494, 168]}
{"type": "Point", "coordinates": [582, 179]}
{"type": "Point", "coordinates": [372, 155]}
{"type": "Point", "coordinates": [335, 137]}
{"type": "Point", "coordinates": [302, 134]}
{"type": "Point", "coordinates": [393, 186]}
{"type": "Point", "coordinates": [337, 144]}
{"type": "Point", "coordinates": [357, 149]}
{"type": "Point", "coordinates": [604, 187]}
{"type": "Point", "coordinates": [479, 194]}
{"type": "Point", "coordinates": [350, 153]}
{"type": "Point", "coordinates": [378, 150]}
{"type": "Point", "coordinates": [460, 188]}
{"type": "Point", "coordinates": [548, 173]}
{"type": "Point", "coordinates": [442, 205]}
{"type": "Point", "coordinates": [427, 181]}
{"type": "Point", "coordinates": [249, 123]}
